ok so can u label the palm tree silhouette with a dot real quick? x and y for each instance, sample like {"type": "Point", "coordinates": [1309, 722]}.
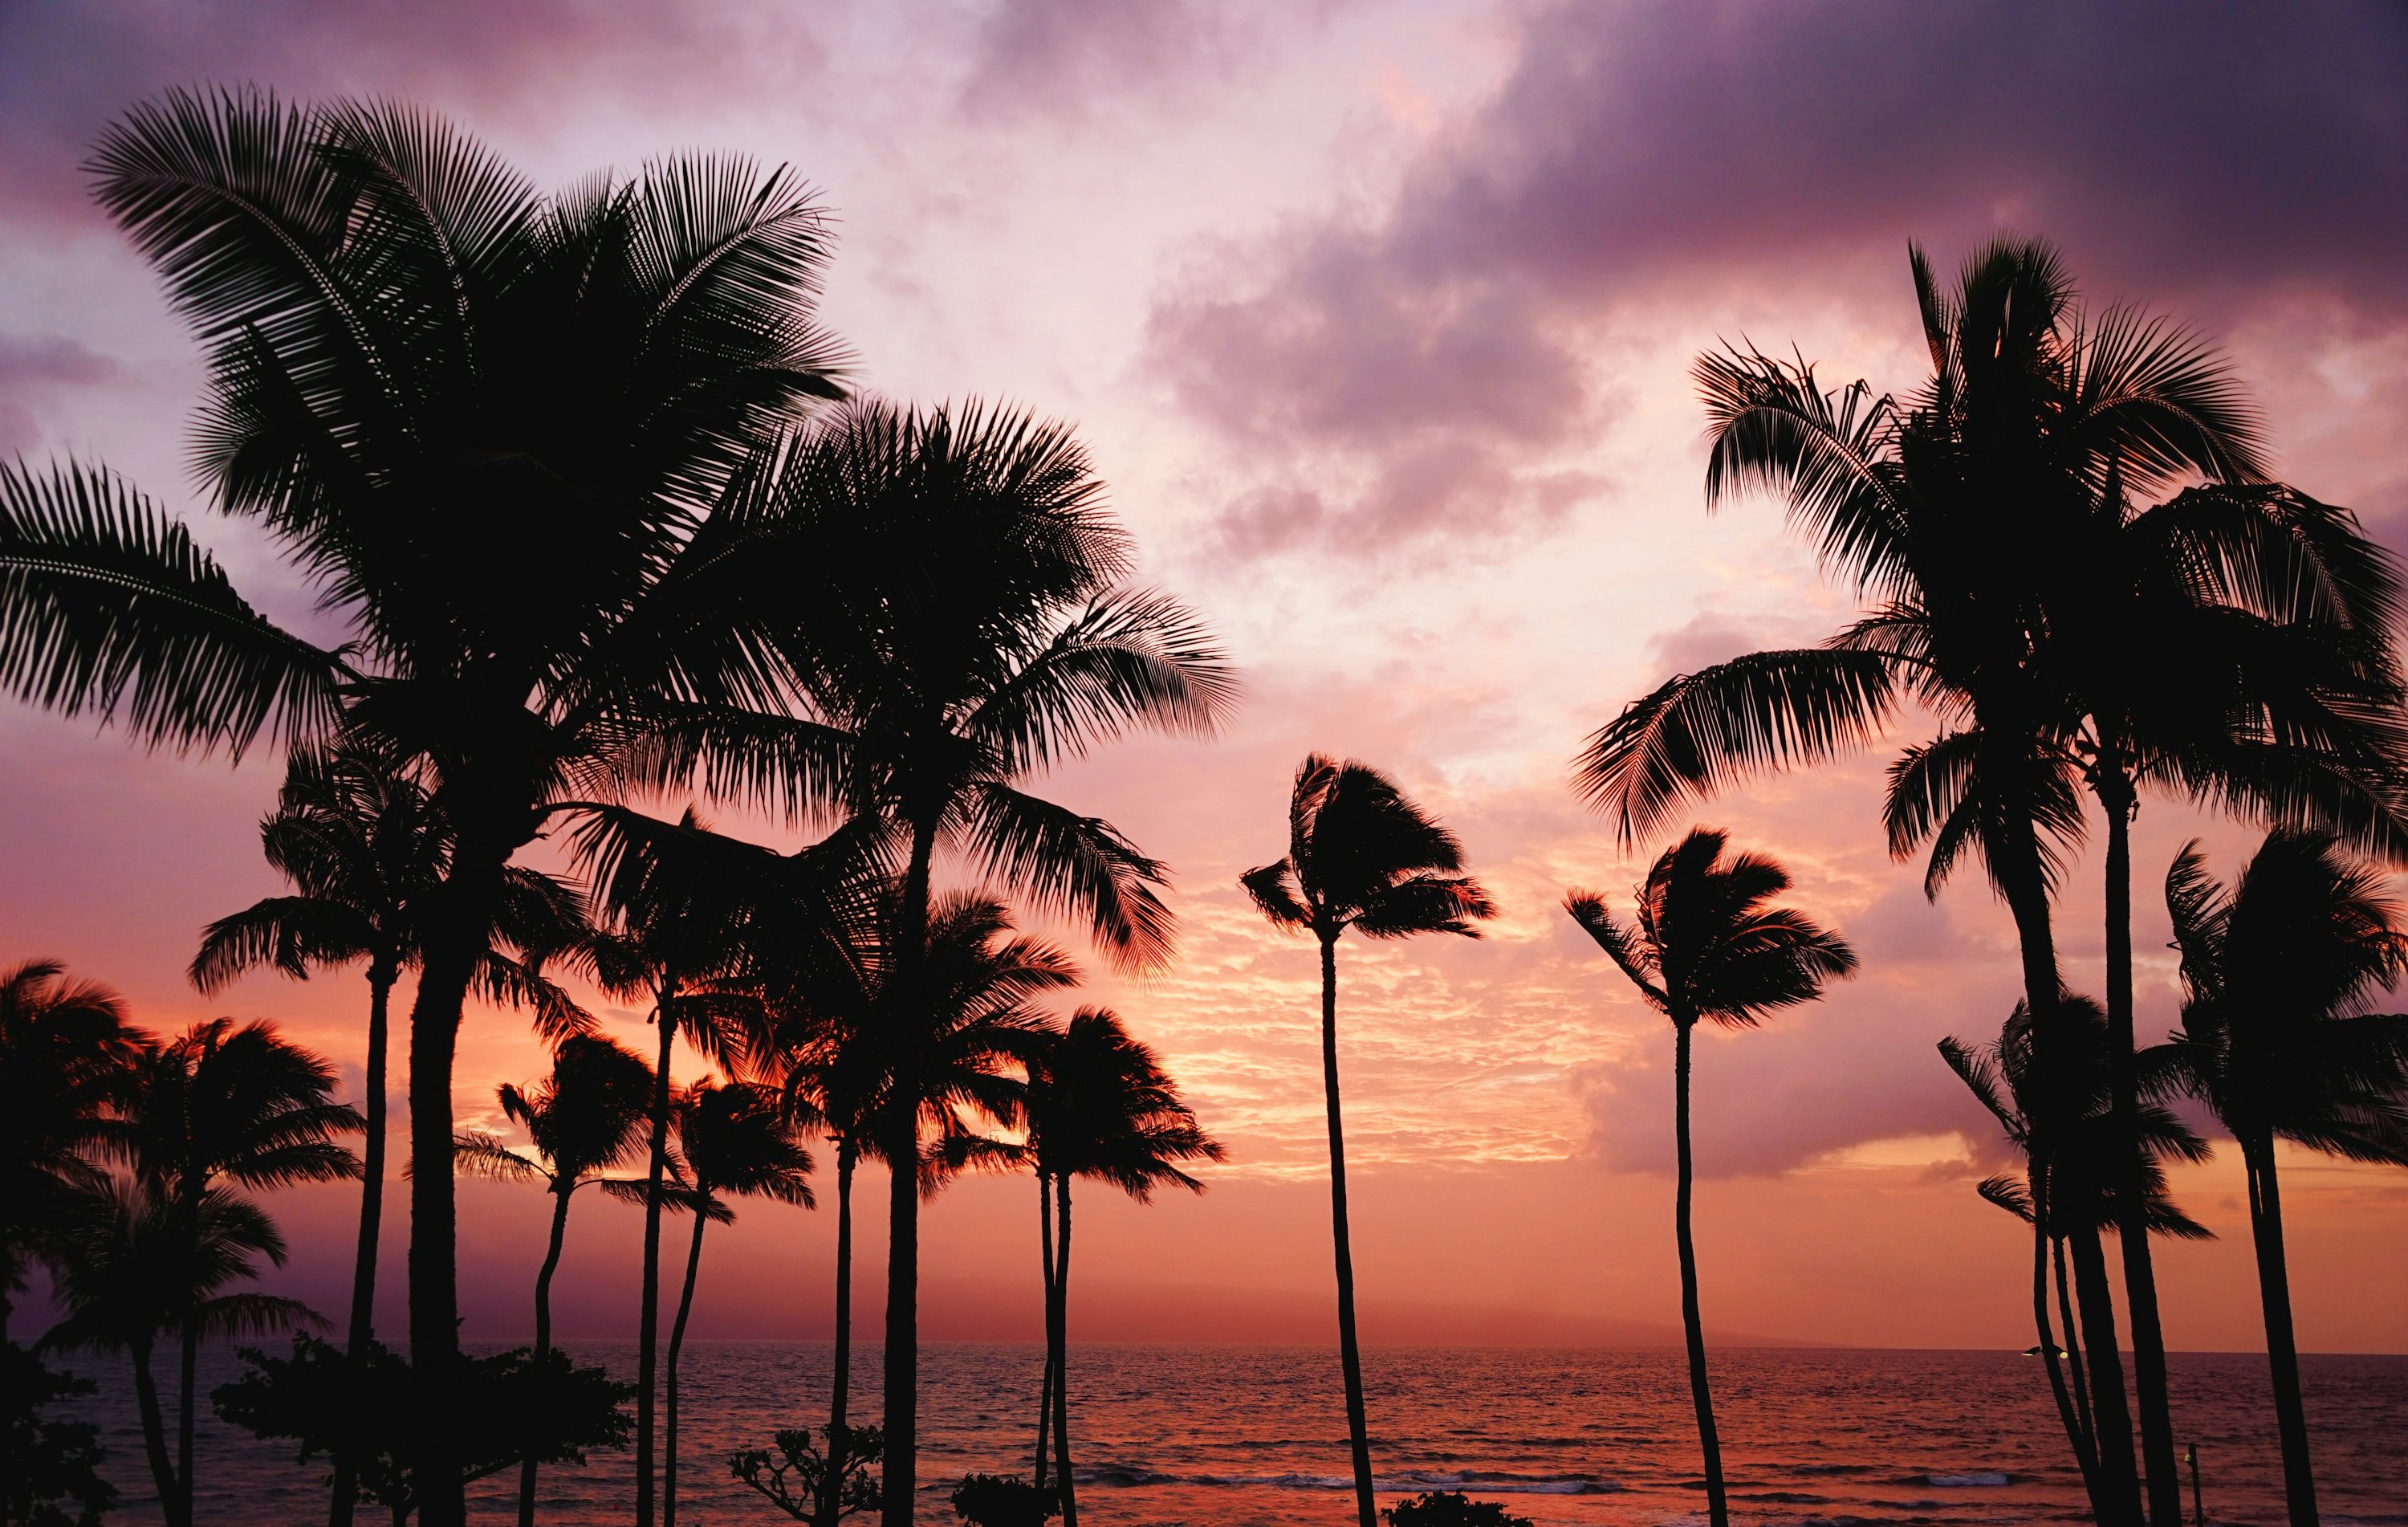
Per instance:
{"type": "Point", "coordinates": [1099, 1106]}
{"type": "Point", "coordinates": [221, 1106]}
{"type": "Point", "coordinates": [736, 1142]}
{"type": "Point", "coordinates": [2278, 971]}
{"type": "Point", "coordinates": [584, 1119]}
{"type": "Point", "coordinates": [2232, 645]}
{"type": "Point", "coordinates": [357, 833]}
{"type": "Point", "coordinates": [840, 1051]}
{"type": "Point", "coordinates": [677, 954]}
{"type": "Point", "coordinates": [980, 632]}
{"type": "Point", "coordinates": [1359, 856]}
{"type": "Point", "coordinates": [1950, 512]}
{"type": "Point", "coordinates": [1707, 945]}
{"type": "Point", "coordinates": [67, 1054]}
{"type": "Point", "coordinates": [428, 380]}
{"type": "Point", "coordinates": [2086, 1175]}
{"type": "Point", "coordinates": [134, 1266]}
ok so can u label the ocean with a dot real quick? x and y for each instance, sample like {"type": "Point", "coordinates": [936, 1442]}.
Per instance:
{"type": "Point", "coordinates": [1255, 1436]}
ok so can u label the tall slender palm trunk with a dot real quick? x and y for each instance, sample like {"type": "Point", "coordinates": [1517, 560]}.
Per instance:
{"type": "Point", "coordinates": [561, 1192]}
{"type": "Point", "coordinates": [187, 1402]}
{"type": "Point", "coordinates": [2073, 1351]}
{"type": "Point", "coordinates": [172, 1505]}
{"type": "Point", "coordinates": [364, 1266]}
{"type": "Point", "coordinates": [2073, 1407]}
{"type": "Point", "coordinates": [1692, 1327]}
{"type": "Point", "coordinates": [1045, 1384]}
{"type": "Point", "coordinates": [676, 1347]}
{"type": "Point", "coordinates": [2015, 853]}
{"type": "Point", "coordinates": [456, 937]}
{"type": "Point", "coordinates": [2115, 796]}
{"type": "Point", "coordinates": [648, 1318]}
{"type": "Point", "coordinates": [2282, 1345]}
{"type": "Point", "coordinates": [2111, 1416]}
{"type": "Point", "coordinates": [902, 1129]}
{"type": "Point", "coordinates": [840, 1379]}
{"type": "Point", "coordinates": [1349, 1357]}
{"type": "Point", "coordinates": [1057, 1340]}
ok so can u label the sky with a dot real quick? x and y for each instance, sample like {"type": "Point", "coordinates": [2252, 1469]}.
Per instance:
{"type": "Point", "coordinates": [1377, 319]}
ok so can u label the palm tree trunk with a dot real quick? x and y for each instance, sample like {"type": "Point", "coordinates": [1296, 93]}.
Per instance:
{"type": "Point", "coordinates": [1057, 1337]}
{"type": "Point", "coordinates": [2073, 1408]}
{"type": "Point", "coordinates": [902, 1378]}
{"type": "Point", "coordinates": [2114, 791]}
{"type": "Point", "coordinates": [2111, 1417]}
{"type": "Point", "coordinates": [187, 1402]}
{"type": "Point", "coordinates": [1045, 1384]}
{"type": "Point", "coordinates": [2015, 854]}
{"type": "Point", "coordinates": [2282, 1345]}
{"type": "Point", "coordinates": [676, 1347]}
{"type": "Point", "coordinates": [561, 1194]}
{"type": "Point", "coordinates": [173, 1506]}
{"type": "Point", "coordinates": [2073, 1351]}
{"type": "Point", "coordinates": [364, 1266]}
{"type": "Point", "coordinates": [831, 1486]}
{"type": "Point", "coordinates": [454, 937]}
{"type": "Point", "coordinates": [1693, 1328]}
{"type": "Point", "coordinates": [648, 1318]}
{"type": "Point", "coordinates": [1349, 1357]}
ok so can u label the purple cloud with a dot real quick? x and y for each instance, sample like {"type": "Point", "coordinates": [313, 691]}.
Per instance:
{"type": "Point", "coordinates": [34, 371]}
{"type": "Point", "coordinates": [66, 69]}
{"type": "Point", "coordinates": [2201, 159]}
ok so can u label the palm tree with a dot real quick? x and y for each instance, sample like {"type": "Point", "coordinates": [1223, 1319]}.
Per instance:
{"type": "Point", "coordinates": [584, 1119]}
{"type": "Point", "coordinates": [2232, 645]}
{"type": "Point", "coordinates": [1708, 945]}
{"type": "Point", "coordinates": [680, 955]}
{"type": "Point", "coordinates": [826, 1043]}
{"type": "Point", "coordinates": [493, 428]}
{"type": "Point", "coordinates": [2278, 971]}
{"type": "Point", "coordinates": [66, 1055]}
{"type": "Point", "coordinates": [2086, 1177]}
{"type": "Point", "coordinates": [839, 1059]}
{"type": "Point", "coordinates": [1956, 514]}
{"type": "Point", "coordinates": [357, 833]}
{"type": "Point", "coordinates": [979, 632]}
{"type": "Point", "coordinates": [234, 1104]}
{"type": "Point", "coordinates": [737, 1142]}
{"type": "Point", "coordinates": [1099, 1106]}
{"type": "Point", "coordinates": [135, 1264]}
{"type": "Point", "coordinates": [1359, 856]}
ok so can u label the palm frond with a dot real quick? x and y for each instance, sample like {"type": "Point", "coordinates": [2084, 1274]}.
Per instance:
{"type": "Point", "coordinates": [1699, 733]}
{"type": "Point", "coordinates": [108, 606]}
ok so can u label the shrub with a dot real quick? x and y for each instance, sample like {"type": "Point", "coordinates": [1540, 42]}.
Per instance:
{"type": "Point", "coordinates": [1450, 1508]}
{"type": "Point", "coordinates": [1004, 1499]}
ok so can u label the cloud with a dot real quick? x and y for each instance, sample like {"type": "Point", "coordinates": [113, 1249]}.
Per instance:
{"type": "Point", "coordinates": [31, 373]}
{"type": "Point", "coordinates": [2197, 158]}
{"type": "Point", "coordinates": [1059, 57]}
{"type": "Point", "coordinates": [66, 69]}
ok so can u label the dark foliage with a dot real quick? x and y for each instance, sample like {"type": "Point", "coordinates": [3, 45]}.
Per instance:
{"type": "Point", "coordinates": [1004, 1499]}
{"type": "Point", "coordinates": [789, 1474]}
{"type": "Point", "coordinates": [49, 1471]}
{"type": "Point", "coordinates": [508, 1407]}
{"type": "Point", "coordinates": [1450, 1508]}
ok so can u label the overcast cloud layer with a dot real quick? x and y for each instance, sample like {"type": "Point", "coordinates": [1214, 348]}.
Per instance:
{"type": "Point", "coordinates": [1378, 317]}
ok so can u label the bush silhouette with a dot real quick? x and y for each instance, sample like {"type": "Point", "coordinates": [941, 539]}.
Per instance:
{"type": "Point", "coordinates": [1450, 1508]}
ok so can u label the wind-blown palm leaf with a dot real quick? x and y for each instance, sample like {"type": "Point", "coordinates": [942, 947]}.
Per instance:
{"type": "Point", "coordinates": [106, 605]}
{"type": "Point", "coordinates": [1699, 733]}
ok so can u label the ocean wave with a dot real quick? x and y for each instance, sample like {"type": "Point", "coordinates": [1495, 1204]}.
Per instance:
{"type": "Point", "coordinates": [1497, 1482]}
{"type": "Point", "coordinates": [1975, 1479]}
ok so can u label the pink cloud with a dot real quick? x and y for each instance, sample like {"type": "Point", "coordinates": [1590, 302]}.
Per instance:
{"type": "Point", "coordinates": [1632, 157]}
{"type": "Point", "coordinates": [31, 373]}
